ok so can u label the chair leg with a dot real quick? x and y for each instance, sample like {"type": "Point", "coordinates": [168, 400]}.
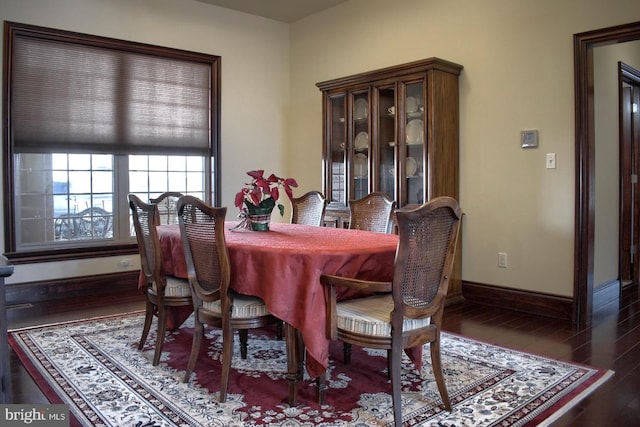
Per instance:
{"type": "Point", "coordinates": [162, 329]}
{"type": "Point", "coordinates": [396, 387]}
{"type": "Point", "coordinates": [437, 373]}
{"type": "Point", "coordinates": [279, 330]}
{"type": "Point", "coordinates": [227, 353]}
{"type": "Point", "coordinates": [198, 333]}
{"type": "Point", "coordinates": [321, 386]}
{"type": "Point", "coordinates": [388, 364]}
{"type": "Point", "coordinates": [173, 314]}
{"type": "Point", "coordinates": [244, 339]}
{"type": "Point", "coordinates": [148, 318]}
{"type": "Point", "coordinates": [301, 350]}
{"type": "Point", "coordinates": [346, 353]}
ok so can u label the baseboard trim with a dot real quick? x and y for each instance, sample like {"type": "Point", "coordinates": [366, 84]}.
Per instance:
{"type": "Point", "coordinates": [536, 303]}
{"type": "Point", "coordinates": [120, 283]}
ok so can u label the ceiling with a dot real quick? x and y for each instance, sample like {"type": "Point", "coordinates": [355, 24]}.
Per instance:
{"type": "Point", "coordinates": [280, 10]}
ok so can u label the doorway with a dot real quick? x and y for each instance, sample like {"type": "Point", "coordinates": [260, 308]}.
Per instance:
{"type": "Point", "coordinates": [583, 44]}
{"type": "Point", "coordinates": [629, 124]}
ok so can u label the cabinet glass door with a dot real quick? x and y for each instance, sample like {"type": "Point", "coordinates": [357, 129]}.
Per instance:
{"type": "Point", "coordinates": [361, 143]}
{"type": "Point", "coordinates": [337, 149]}
{"type": "Point", "coordinates": [386, 140]}
{"type": "Point", "coordinates": [415, 137]}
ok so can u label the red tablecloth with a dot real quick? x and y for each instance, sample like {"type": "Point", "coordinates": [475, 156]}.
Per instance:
{"type": "Point", "coordinates": [283, 267]}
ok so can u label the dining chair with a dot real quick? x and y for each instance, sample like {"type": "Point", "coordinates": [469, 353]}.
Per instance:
{"type": "Point", "coordinates": [372, 212]}
{"type": "Point", "coordinates": [406, 312]}
{"type": "Point", "coordinates": [164, 293]}
{"type": "Point", "coordinates": [166, 202]}
{"type": "Point", "coordinates": [215, 303]}
{"type": "Point", "coordinates": [308, 209]}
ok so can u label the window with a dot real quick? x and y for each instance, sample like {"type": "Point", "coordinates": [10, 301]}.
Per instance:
{"type": "Point", "coordinates": [91, 119]}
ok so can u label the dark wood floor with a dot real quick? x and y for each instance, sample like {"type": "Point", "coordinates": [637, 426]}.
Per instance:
{"type": "Point", "coordinates": [612, 342]}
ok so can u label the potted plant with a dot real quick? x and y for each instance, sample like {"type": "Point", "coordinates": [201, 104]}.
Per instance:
{"type": "Point", "coordinates": [261, 195]}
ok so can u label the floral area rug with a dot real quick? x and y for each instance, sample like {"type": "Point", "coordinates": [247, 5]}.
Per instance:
{"type": "Point", "coordinates": [94, 367]}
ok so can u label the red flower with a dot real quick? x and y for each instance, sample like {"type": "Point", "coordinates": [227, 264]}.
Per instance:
{"type": "Point", "coordinates": [264, 192]}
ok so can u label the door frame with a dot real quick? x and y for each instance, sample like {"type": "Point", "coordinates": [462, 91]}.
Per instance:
{"type": "Point", "coordinates": [583, 44]}
{"type": "Point", "coordinates": [629, 169]}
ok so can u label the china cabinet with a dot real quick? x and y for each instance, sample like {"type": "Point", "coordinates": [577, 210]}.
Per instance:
{"type": "Point", "coordinates": [393, 130]}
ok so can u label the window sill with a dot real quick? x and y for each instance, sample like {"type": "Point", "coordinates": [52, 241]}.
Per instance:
{"type": "Point", "coordinates": [50, 255]}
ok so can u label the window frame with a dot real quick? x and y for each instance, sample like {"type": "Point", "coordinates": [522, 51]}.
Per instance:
{"type": "Point", "coordinates": [213, 161]}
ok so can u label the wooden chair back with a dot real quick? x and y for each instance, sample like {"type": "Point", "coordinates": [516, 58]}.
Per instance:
{"type": "Point", "coordinates": [167, 211]}
{"type": "Point", "coordinates": [308, 209]}
{"type": "Point", "coordinates": [372, 213]}
{"type": "Point", "coordinates": [145, 220]}
{"type": "Point", "coordinates": [206, 254]}
{"type": "Point", "coordinates": [427, 239]}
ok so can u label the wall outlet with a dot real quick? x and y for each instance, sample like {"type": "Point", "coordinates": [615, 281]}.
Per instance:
{"type": "Point", "coordinates": [502, 259]}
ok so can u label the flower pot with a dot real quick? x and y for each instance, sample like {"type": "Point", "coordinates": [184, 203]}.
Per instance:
{"type": "Point", "coordinates": [259, 218]}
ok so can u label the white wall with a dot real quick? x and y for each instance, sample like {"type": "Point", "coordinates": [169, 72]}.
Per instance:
{"type": "Point", "coordinates": [518, 74]}
{"type": "Point", "coordinates": [255, 81]}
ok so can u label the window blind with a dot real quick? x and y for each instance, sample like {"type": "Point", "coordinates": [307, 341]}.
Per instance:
{"type": "Point", "coordinates": [79, 98]}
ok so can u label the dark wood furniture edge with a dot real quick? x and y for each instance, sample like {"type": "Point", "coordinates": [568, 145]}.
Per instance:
{"type": "Point", "coordinates": [419, 66]}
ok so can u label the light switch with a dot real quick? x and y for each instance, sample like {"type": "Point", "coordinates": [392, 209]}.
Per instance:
{"type": "Point", "coordinates": [551, 160]}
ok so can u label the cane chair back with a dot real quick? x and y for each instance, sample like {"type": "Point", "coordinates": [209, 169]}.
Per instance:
{"type": "Point", "coordinates": [166, 202]}
{"type": "Point", "coordinates": [215, 303]}
{"type": "Point", "coordinates": [372, 213]}
{"type": "Point", "coordinates": [406, 312]}
{"type": "Point", "coordinates": [164, 293]}
{"type": "Point", "coordinates": [308, 209]}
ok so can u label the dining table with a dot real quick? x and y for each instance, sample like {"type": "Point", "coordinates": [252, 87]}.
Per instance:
{"type": "Point", "coordinates": [283, 266]}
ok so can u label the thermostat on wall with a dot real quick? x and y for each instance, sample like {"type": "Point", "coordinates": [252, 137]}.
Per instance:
{"type": "Point", "coordinates": [529, 138]}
